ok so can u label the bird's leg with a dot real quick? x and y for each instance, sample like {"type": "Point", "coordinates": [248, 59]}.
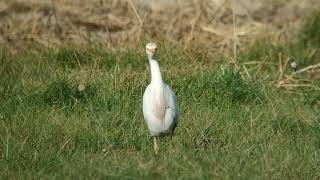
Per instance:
{"type": "Point", "coordinates": [171, 137]}
{"type": "Point", "coordinates": [155, 145]}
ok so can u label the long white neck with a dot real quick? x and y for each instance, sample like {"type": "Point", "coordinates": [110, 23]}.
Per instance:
{"type": "Point", "coordinates": [156, 77]}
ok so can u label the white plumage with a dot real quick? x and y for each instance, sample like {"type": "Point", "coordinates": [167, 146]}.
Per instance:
{"type": "Point", "coordinates": [160, 105]}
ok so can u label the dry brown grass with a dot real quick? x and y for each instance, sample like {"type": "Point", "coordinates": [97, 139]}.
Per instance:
{"type": "Point", "coordinates": [117, 23]}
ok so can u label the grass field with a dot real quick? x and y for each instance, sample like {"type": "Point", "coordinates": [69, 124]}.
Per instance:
{"type": "Point", "coordinates": [76, 113]}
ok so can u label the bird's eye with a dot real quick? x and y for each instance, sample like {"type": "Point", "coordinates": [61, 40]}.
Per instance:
{"type": "Point", "coordinates": [155, 49]}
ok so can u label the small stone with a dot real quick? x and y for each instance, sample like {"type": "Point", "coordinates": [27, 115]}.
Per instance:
{"type": "Point", "coordinates": [81, 87]}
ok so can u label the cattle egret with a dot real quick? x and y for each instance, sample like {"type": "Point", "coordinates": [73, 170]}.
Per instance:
{"type": "Point", "coordinates": [160, 105]}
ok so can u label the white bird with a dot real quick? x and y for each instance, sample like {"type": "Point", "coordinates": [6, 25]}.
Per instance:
{"type": "Point", "coordinates": [160, 105]}
{"type": "Point", "coordinates": [294, 65]}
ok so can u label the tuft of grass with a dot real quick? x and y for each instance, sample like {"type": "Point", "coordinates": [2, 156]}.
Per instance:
{"type": "Point", "coordinates": [311, 98]}
{"type": "Point", "coordinates": [239, 90]}
{"type": "Point", "coordinates": [8, 70]}
{"type": "Point", "coordinates": [217, 88]}
{"type": "Point", "coordinates": [261, 50]}
{"type": "Point", "coordinates": [73, 57]}
{"type": "Point", "coordinates": [62, 93]}
{"type": "Point", "coordinates": [309, 33]}
{"type": "Point", "coordinates": [305, 49]}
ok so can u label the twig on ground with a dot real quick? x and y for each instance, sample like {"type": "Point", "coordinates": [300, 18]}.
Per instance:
{"type": "Point", "coordinates": [306, 69]}
{"type": "Point", "coordinates": [299, 85]}
{"type": "Point", "coordinates": [289, 79]}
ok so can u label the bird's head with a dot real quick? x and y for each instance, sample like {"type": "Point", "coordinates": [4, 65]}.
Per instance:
{"type": "Point", "coordinates": [151, 49]}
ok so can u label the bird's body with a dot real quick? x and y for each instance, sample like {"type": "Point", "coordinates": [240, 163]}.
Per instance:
{"type": "Point", "coordinates": [160, 105]}
{"type": "Point", "coordinates": [160, 109]}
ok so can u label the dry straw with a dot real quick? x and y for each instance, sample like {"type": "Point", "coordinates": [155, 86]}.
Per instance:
{"type": "Point", "coordinates": [122, 22]}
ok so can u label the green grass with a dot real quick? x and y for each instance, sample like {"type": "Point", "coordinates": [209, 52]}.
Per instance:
{"type": "Point", "coordinates": [309, 33]}
{"type": "Point", "coordinates": [232, 126]}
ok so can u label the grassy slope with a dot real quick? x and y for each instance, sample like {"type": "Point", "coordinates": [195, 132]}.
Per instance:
{"type": "Point", "coordinates": [229, 127]}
